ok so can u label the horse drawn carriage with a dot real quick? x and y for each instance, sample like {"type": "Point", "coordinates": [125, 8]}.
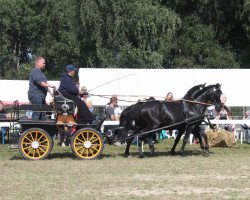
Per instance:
{"type": "Point", "coordinates": [87, 141]}
{"type": "Point", "coordinates": [36, 136]}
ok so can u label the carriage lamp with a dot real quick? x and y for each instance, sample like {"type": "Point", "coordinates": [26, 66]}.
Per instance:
{"type": "Point", "coordinates": [65, 107]}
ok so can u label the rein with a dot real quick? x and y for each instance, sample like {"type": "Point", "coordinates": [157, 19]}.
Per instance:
{"type": "Point", "coordinates": [108, 97]}
{"type": "Point", "coordinates": [197, 102]}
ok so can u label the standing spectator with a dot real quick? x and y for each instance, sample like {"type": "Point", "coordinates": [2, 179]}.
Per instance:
{"type": "Point", "coordinates": [69, 90]}
{"type": "Point", "coordinates": [38, 86]}
{"type": "Point", "coordinates": [247, 126]}
{"type": "Point", "coordinates": [87, 99]}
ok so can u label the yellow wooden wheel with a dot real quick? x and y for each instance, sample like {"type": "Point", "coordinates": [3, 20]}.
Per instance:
{"type": "Point", "coordinates": [35, 144]}
{"type": "Point", "coordinates": [87, 143]}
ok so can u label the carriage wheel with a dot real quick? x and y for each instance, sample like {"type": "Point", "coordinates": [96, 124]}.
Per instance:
{"type": "Point", "coordinates": [87, 143]}
{"type": "Point", "coordinates": [35, 144]}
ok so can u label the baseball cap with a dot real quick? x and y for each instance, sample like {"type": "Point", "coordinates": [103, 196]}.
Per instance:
{"type": "Point", "coordinates": [71, 68]}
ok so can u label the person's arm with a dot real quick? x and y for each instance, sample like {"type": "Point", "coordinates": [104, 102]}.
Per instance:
{"type": "Point", "coordinates": [44, 84]}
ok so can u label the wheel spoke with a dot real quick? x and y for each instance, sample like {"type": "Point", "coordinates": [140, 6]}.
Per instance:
{"type": "Point", "coordinates": [81, 147]}
{"type": "Point", "coordinates": [93, 135]}
{"type": "Point", "coordinates": [90, 150]}
{"type": "Point", "coordinates": [87, 152]}
{"type": "Point", "coordinates": [45, 140]}
{"type": "Point", "coordinates": [36, 136]}
{"type": "Point", "coordinates": [32, 138]}
{"type": "Point", "coordinates": [40, 148]}
{"type": "Point", "coordinates": [40, 138]}
{"type": "Point", "coordinates": [26, 143]}
{"type": "Point", "coordinates": [82, 141]}
{"type": "Point", "coordinates": [95, 146]}
{"type": "Point", "coordinates": [28, 139]}
{"type": "Point", "coordinates": [96, 139]}
{"type": "Point", "coordinates": [42, 145]}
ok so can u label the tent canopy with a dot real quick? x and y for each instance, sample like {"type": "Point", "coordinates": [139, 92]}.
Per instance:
{"type": "Point", "coordinates": [134, 84]}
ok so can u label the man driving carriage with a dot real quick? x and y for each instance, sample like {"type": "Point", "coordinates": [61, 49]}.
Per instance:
{"type": "Point", "coordinates": [69, 90]}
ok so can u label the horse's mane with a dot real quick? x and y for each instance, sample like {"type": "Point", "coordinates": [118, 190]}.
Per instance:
{"type": "Point", "coordinates": [193, 91]}
{"type": "Point", "coordinates": [205, 89]}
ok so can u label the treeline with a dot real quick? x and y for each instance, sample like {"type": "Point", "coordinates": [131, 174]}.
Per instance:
{"type": "Point", "coordinates": [123, 34]}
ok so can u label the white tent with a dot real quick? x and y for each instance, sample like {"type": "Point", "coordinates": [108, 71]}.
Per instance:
{"type": "Point", "coordinates": [12, 90]}
{"type": "Point", "coordinates": [142, 83]}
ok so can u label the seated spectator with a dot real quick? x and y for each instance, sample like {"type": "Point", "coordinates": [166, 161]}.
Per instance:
{"type": "Point", "coordinates": [169, 97]}
{"type": "Point", "coordinates": [117, 112]}
{"type": "Point", "coordinates": [3, 113]}
{"type": "Point", "coordinates": [110, 109]}
{"type": "Point", "coordinates": [112, 115]}
{"type": "Point", "coordinates": [225, 114]}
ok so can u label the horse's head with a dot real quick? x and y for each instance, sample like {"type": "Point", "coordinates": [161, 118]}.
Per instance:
{"type": "Point", "coordinates": [192, 93]}
{"type": "Point", "coordinates": [212, 94]}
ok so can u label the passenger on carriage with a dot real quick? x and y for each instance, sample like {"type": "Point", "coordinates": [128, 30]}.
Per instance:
{"type": "Point", "coordinates": [69, 90]}
{"type": "Point", "coordinates": [38, 86]}
{"type": "Point", "coordinates": [87, 99]}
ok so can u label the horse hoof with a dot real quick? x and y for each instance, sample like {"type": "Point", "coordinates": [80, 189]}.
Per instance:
{"type": "Point", "coordinates": [141, 156]}
{"type": "Point", "coordinates": [205, 153]}
{"type": "Point", "coordinates": [152, 150]}
{"type": "Point", "coordinates": [173, 153]}
{"type": "Point", "coordinates": [128, 156]}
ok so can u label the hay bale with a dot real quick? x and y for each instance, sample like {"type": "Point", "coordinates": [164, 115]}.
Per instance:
{"type": "Point", "coordinates": [220, 138]}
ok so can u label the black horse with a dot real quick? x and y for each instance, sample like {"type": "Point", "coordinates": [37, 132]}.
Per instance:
{"type": "Point", "coordinates": [131, 114]}
{"type": "Point", "coordinates": [181, 115]}
{"type": "Point", "coordinates": [127, 123]}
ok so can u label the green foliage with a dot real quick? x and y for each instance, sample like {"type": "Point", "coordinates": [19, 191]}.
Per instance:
{"type": "Point", "coordinates": [196, 48]}
{"type": "Point", "coordinates": [123, 34]}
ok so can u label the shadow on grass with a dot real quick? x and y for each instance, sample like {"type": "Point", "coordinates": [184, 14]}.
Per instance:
{"type": "Point", "coordinates": [61, 155]}
{"type": "Point", "coordinates": [187, 153]}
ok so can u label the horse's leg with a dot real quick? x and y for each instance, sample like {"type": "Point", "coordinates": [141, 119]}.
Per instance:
{"type": "Point", "coordinates": [149, 127]}
{"type": "Point", "coordinates": [128, 141]}
{"type": "Point", "coordinates": [141, 154]}
{"type": "Point", "coordinates": [205, 146]}
{"type": "Point", "coordinates": [197, 133]}
{"type": "Point", "coordinates": [176, 141]}
{"type": "Point", "coordinates": [149, 140]}
{"type": "Point", "coordinates": [187, 134]}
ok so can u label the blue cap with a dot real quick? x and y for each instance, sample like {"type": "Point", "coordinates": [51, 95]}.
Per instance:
{"type": "Point", "coordinates": [71, 68]}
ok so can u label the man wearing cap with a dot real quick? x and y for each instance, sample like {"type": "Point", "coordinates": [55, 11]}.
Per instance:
{"type": "Point", "coordinates": [38, 86]}
{"type": "Point", "coordinates": [69, 90]}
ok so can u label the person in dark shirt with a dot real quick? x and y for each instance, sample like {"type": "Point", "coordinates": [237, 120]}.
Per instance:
{"type": "Point", "coordinates": [69, 90]}
{"type": "Point", "coordinates": [38, 86]}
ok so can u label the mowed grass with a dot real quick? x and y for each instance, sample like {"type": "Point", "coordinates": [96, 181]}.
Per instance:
{"type": "Point", "coordinates": [225, 174]}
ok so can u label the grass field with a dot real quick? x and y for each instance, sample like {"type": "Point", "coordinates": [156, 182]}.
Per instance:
{"type": "Point", "coordinates": [225, 174]}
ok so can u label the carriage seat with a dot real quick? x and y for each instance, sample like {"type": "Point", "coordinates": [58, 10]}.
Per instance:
{"type": "Point", "coordinates": [62, 104]}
